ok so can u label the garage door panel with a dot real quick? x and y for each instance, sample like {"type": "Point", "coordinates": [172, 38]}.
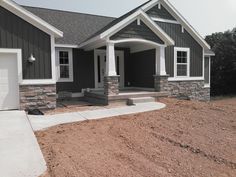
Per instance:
{"type": "Point", "coordinates": [9, 88]}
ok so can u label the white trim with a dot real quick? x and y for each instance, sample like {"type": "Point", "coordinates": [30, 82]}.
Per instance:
{"type": "Point", "coordinates": [110, 60]}
{"type": "Point", "coordinates": [138, 41]}
{"type": "Point", "coordinates": [177, 49]}
{"type": "Point", "coordinates": [207, 85]}
{"type": "Point", "coordinates": [37, 82]}
{"type": "Point", "coordinates": [172, 10]}
{"type": "Point", "coordinates": [173, 79]}
{"type": "Point", "coordinates": [71, 72]}
{"type": "Point", "coordinates": [117, 27]}
{"type": "Point", "coordinates": [53, 59]}
{"type": "Point", "coordinates": [18, 52]}
{"type": "Point", "coordinates": [66, 46]}
{"type": "Point", "coordinates": [164, 20]}
{"type": "Point", "coordinates": [30, 17]}
{"type": "Point", "coordinates": [160, 61]}
{"type": "Point", "coordinates": [182, 29]}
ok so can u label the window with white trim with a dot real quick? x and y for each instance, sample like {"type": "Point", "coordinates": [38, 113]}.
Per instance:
{"type": "Point", "coordinates": [65, 65]}
{"type": "Point", "coordinates": [182, 62]}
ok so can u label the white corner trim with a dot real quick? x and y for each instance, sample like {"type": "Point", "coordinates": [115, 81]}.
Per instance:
{"type": "Point", "coordinates": [18, 52]}
{"type": "Point", "coordinates": [71, 72]}
{"type": "Point", "coordinates": [177, 49]}
{"type": "Point", "coordinates": [53, 59]}
{"type": "Point", "coordinates": [66, 46]}
{"type": "Point", "coordinates": [173, 79]}
{"type": "Point", "coordinates": [164, 20]}
{"type": "Point", "coordinates": [30, 17]}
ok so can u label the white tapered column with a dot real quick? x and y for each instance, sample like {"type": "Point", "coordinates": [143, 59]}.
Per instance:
{"type": "Point", "coordinates": [160, 61]}
{"type": "Point", "coordinates": [110, 61]}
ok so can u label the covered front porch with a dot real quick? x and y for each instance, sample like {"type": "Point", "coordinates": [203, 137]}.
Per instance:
{"type": "Point", "coordinates": [128, 68]}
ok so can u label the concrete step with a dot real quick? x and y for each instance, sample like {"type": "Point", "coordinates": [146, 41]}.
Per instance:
{"type": "Point", "coordinates": [134, 101]}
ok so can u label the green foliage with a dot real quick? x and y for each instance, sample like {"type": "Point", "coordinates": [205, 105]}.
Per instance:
{"type": "Point", "coordinates": [223, 66]}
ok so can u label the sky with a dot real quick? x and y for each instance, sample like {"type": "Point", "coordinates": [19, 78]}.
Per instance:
{"type": "Point", "coordinates": [206, 16]}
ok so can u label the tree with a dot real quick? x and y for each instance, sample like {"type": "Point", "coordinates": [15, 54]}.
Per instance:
{"type": "Point", "coordinates": [223, 76]}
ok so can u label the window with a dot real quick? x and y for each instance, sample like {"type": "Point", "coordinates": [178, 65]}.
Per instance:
{"type": "Point", "coordinates": [182, 62]}
{"type": "Point", "coordinates": [65, 65]}
{"type": "Point", "coordinates": [207, 71]}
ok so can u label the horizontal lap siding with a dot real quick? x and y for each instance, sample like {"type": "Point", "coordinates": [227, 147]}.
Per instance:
{"type": "Point", "coordinates": [83, 67]}
{"type": "Point", "coordinates": [160, 13]}
{"type": "Point", "coordinates": [137, 31]}
{"type": "Point", "coordinates": [183, 40]}
{"type": "Point", "coordinates": [17, 33]}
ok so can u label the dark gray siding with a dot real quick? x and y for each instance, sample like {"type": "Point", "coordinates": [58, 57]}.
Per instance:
{"type": "Point", "coordinates": [140, 69]}
{"type": "Point", "coordinates": [160, 13]}
{"type": "Point", "coordinates": [183, 40]}
{"type": "Point", "coordinates": [137, 31]}
{"type": "Point", "coordinates": [17, 33]}
{"type": "Point", "coordinates": [83, 66]}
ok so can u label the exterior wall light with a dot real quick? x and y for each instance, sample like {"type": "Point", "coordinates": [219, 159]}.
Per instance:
{"type": "Point", "coordinates": [32, 59]}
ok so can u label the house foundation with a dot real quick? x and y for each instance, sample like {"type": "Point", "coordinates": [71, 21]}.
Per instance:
{"type": "Point", "coordinates": [38, 97]}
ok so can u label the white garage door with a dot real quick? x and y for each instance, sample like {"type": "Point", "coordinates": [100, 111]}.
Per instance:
{"type": "Point", "coordinates": [9, 87]}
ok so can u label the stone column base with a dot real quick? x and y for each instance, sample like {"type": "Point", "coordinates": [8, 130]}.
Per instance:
{"type": "Point", "coordinates": [111, 85]}
{"type": "Point", "coordinates": [161, 83]}
{"type": "Point", "coordinates": [37, 97]}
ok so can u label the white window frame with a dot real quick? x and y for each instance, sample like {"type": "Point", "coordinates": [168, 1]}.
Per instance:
{"type": "Point", "coordinates": [71, 73]}
{"type": "Point", "coordinates": [207, 85]}
{"type": "Point", "coordinates": [180, 49]}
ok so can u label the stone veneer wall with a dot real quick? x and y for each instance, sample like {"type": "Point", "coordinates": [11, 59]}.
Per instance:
{"type": "Point", "coordinates": [37, 97]}
{"type": "Point", "coordinates": [111, 85]}
{"type": "Point", "coordinates": [193, 90]}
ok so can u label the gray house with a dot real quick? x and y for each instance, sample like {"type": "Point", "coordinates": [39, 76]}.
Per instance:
{"type": "Point", "coordinates": [49, 54]}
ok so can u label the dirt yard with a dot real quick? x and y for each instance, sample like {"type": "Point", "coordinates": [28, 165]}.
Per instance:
{"type": "Point", "coordinates": [187, 139]}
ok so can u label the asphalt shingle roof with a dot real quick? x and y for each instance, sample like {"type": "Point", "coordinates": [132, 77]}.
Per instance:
{"type": "Point", "coordinates": [77, 27]}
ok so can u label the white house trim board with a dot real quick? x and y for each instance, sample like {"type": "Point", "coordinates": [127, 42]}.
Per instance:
{"type": "Point", "coordinates": [66, 46]}
{"type": "Point", "coordinates": [164, 20]}
{"type": "Point", "coordinates": [160, 61]}
{"type": "Point", "coordinates": [30, 18]}
{"type": "Point", "coordinates": [173, 79]}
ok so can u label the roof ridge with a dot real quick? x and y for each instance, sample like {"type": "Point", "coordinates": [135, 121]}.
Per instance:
{"type": "Point", "coordinates": [59, 10]}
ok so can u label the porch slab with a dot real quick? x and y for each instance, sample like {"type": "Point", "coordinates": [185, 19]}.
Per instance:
{"type": "Point", "coordinates": [44, 122]}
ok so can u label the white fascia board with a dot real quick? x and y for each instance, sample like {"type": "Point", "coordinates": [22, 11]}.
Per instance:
{"type": "Point", "coordinates": [117, 27]}
{"type": "Point", "coordinates": [30, 18]}
{"type": "Point", "coordinates": [66, 46]}
{"type": "Point", "coordinates": [172, 10]}
{"type": "Point", "coordinates": [150, 5]}
{"type": "Point", "coordinates": [146, 19]}
{"type": "Point", "coordinates": [156, 29]}
{"type": "Point", "coordinates": [89, 42]}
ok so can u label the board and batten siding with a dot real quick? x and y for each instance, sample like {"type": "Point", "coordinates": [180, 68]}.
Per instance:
{"type": "Point", "coordinates": [183, 40]}
{"type": "Point", "coordinates": [134, 30]}
{"type": "Point", "coordinates": [140, 69]}
{"type": "Point", "coordinates": [17, 33]}
{"type": "Point", "coordinates": [83, 67]}
{"type": "Point", "coordinates": [160, 13]}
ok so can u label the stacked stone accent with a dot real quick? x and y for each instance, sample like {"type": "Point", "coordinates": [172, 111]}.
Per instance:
{"type": "Point", "coordinates": [161, 83]}
{"type": "Point", "coordinates": [37, 97]}
{"type": "Point", "coordinates": [111, 85]}
{"type": "Point", "coordinates": [193, 90]}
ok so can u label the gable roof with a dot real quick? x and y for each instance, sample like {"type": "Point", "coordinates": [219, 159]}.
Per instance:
{"type": "Point", "coordinates": [174, 12]}
{"type": "Point", "coordinates": [77, 27]}
{"type": "Point", "coordinates": [30, 18]}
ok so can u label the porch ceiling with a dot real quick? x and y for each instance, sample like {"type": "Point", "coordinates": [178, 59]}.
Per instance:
{"type": "Point", "coordinates": [135, 47]}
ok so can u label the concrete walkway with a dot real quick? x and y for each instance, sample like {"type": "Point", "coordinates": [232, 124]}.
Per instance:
{"type": "Point", "coordinates": [20, 154]}
{"type": "Point", "coordinates": [43, 122]}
